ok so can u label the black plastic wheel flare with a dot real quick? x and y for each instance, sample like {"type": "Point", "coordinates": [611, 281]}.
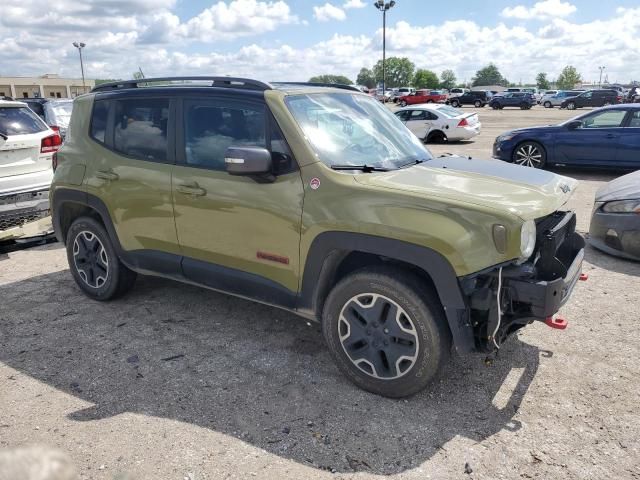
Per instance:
{"type": "Point", "coordinates": [378, 336]}
{"type": "Point", "coordinates": [90, 259]}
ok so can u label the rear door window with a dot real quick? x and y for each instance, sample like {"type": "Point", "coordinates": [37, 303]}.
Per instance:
{"type": "Point", "coordinates": [141, 128]}
{"type": "Point", "coordinates": [20, 121]}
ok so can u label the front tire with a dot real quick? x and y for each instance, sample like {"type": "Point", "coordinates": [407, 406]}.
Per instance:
{"type": "Point", "coordinates": [93, 261]}
{"type": "Point", "coordinates": [386, 331]}
{"type": "Point", "coordinates": [548, 105]}
{"type": "Point", "coordinates": [403, 103]}
{"type": "Point", "coordinates": [495, 106]}
{"type": "Point", "coordinates": [455, 103]}
{"type": "Point", "coordinates": [530, 154]}
{"type": "Point", "coordinates": [571, 106]}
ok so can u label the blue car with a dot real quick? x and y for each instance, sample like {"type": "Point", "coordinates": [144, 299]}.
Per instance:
{"type": "Point", "coordinates": [608, 137]}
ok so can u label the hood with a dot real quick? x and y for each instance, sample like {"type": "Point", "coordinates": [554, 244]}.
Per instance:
{"type": "Point", "coordinates": [537, 129]}
{"type": "Point", "coordinates": [623, 188]}
{"type": "Point", "coordinates": [522, 191]}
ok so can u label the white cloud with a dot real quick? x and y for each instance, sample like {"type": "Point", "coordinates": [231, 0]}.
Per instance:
{"type": "Point", "coordinates": [540, 10]}
{"type": "Point", "coordinates": [354, 4]}
{"type": "Point", "coordinates": [328, 12]}
{"type": "Point", "coordinates": [162, 44]}
{"type": "Point", "coordinates": [236, 19]}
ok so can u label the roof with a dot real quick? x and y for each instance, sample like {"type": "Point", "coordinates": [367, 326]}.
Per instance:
{"type": "Point", "coordinates": [235, 83]}
{"type": "Point", "coordinates": [12, 103]}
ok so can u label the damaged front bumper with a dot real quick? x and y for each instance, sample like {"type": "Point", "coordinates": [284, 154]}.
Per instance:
{"type": "Point", "coordinates": [535, 290]}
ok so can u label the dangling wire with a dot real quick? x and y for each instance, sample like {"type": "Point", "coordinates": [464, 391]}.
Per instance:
{"type": "Point", "coordinates": [499, 309]}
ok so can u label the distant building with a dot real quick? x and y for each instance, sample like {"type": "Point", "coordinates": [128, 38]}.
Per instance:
{"type": "Point", "coordinates": [46, 86]}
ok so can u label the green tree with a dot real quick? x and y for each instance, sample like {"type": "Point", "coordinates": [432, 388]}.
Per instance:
{"type": "Point", "coordinates": [448, 79]}
{"type": "Point", "coordinates": [489, 75]}
{"type": "Point", "coordinates": [425, 79]}
{"type": "Point", "coordinates": [365, 77]}
{"type": "Point", "coordinates": [542, 82]}
{"type": "Point", "coordinates": [399, 72]}
{"type": "Point", "coordinates": [568, 78]}
{"type": "Point", "coordinates": [331, 79]}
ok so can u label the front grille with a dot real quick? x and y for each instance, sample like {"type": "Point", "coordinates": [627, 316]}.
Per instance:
{"type": "Point", "coordinates": [17, 219]}
{"type": "Point", "coordinates": [556, 244]}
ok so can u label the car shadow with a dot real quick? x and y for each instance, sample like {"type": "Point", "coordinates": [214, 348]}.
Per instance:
{"type": "Point", "coordinates": [250, 371]}
{"type": "Point", "coordinates": [610, 262]}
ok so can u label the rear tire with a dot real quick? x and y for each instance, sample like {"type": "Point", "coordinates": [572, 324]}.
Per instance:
{"type": "Point", "coordinates": [386, 331]}
{"type": "Point", "coordinates": [524, 106]}
{"type": "Point", "coordinates": [93, 261]}
{"type": "Point", "coordinates": [436, 137]}
{"type": "Point", "coordinates": [478, 104]}
{"type": "Point", "coordinates": [548, 105]}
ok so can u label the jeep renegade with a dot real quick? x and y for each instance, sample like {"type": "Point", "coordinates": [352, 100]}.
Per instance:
{"type": "Point", "coordinates": [320, 201]}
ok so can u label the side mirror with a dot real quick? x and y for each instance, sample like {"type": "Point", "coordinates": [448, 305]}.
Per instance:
{"type": "Point", "coordinates": [574, 125]}
{"type": "Point", "coordinates": [248, 161]}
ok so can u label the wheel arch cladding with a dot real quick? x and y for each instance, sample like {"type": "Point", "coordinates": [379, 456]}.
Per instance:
{"type": "Point", "coordinates": [330, 249]}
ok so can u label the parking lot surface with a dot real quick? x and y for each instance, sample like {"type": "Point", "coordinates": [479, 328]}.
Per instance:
{"type": "Point", "coordinates": [175, 382]}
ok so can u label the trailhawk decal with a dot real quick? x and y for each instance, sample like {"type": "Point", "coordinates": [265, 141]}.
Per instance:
{"type": "Point", "coordinates": [314, 183]}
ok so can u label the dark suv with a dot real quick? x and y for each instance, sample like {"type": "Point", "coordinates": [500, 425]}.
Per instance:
{"type": "Point", "coordinates": [592, 98]}
{"type": "Point", "coordinates": [476, 98]}
{"type": "Point", "coordinates": [522, 100]}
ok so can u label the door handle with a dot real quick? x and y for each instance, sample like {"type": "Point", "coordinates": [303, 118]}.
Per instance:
{"type": "Point", "coordinates": [107, 175]}
{"type": "Point", "coordinates": [193, 189]}
{"type": "Point", "coordinates": [611, 135]}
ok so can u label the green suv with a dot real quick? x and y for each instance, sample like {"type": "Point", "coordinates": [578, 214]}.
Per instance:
{"type": "Point", "coordinates": [320, 201]}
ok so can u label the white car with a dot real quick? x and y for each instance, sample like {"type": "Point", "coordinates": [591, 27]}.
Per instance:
{"type": "Point", "coordinates": [436, 122]}
{"type": "Point", "coordinates": [27, 146]}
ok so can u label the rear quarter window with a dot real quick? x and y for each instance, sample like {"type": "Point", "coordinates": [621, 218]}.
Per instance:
{"type": "Point", "coordinates": [99, 120]}
{"type": "Point", "coordinates": [20, 121]}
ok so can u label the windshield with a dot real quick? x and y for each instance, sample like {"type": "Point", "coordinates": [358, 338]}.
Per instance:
{"type": "Point", "coordinates": [352, 129]}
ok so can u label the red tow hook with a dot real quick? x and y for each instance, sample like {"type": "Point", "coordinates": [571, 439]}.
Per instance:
{"type": "Point", "coordinates": [558, 323]}
{"type": "Point", "coordinates": [583, 277]}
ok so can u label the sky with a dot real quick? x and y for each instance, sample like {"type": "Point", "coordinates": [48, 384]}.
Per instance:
{"type": "Point", "coordinates": [295, 39]}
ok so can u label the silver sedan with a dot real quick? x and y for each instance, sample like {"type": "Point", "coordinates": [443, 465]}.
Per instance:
{"type": "Point", "coordinates": [615, 224]}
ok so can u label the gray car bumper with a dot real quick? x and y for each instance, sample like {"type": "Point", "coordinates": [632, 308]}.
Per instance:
{"type": "Point", "coordinates": [616, 234]}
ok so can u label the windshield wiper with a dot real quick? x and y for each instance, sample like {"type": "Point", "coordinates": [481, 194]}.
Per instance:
{"type": "Point", "coordinates": [363, 168]}
{"type": "Point", "coordinates": [3, 135]}
{"type": "Point", "coordinates": [415, 161]}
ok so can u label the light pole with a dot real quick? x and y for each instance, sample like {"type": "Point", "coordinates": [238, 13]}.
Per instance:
{"type": "Point", "coordinates": [80, 46]}
{"type": "Point", "coordinates": [383, 7]}
{"type": "Point", "coordinates": [601, 70]}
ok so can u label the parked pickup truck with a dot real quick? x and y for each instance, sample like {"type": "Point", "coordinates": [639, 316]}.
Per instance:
{"type": "Point", "coordinates": [423, 96]}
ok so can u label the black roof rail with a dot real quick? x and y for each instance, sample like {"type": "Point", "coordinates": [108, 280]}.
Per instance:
{"type": "Point", "coordinates": [317, 84]}
{"type": "Point", "coordinates": [228, 82]}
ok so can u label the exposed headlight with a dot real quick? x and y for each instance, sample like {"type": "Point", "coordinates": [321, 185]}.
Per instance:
{"type": "Point", "coordinates": [505, 137]}
{"type": "Point", "coordinates": [527, 240]}
{"type": "Point", "coordinates": [622, 206]}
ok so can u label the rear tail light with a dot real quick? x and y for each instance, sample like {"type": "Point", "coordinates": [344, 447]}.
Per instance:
{"type": "Point", "coordinates": [463, 123]}
{"type": "Point", "coordinates": [51, 143]}
{"type": "Point", "coordinates": [54, 161]}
